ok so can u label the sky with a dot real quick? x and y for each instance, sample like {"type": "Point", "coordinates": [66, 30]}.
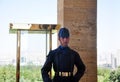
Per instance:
{"type": "Point", "coordinates": [23, 11]}
{"type": "Point", "coordinates": [108, 26]}
{"type": "Point", "coordinates": [45, 12]}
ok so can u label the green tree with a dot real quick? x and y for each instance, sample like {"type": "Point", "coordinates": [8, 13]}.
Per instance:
{"type": "Point", "coordinates": [103, 74]}
{"type": "Point", "coordinates": [115, 75]}
{"type": "Point", "coordinates": [7, 73]}
{"type": "Point", "coordinates": [28, 73]}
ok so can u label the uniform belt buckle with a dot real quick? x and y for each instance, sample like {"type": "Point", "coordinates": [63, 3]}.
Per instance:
{"type": "Point", "coordinates": [64, 74]}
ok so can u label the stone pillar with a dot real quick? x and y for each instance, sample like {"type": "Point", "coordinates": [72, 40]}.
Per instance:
{"type": "Point", "coordinates": [80, 17]}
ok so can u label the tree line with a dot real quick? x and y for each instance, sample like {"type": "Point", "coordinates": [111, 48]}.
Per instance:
{"type": "Point", "coordinates": [32, 73]}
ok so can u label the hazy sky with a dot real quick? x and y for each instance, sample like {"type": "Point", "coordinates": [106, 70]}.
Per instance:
{"type": "Point", "coordinates": [45, 11]}
{"type": "Point", "coordinates": [108, 26]}
{"type": "Point", "coordinates": [23, 11]}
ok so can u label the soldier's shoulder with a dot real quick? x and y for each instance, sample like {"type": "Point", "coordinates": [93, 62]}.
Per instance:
{"type": "Point", "coordinates": [54, 51]}
{"type": "Point", "coordinates": [73, 50]}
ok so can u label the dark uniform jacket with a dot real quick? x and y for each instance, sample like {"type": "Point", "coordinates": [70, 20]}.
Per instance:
{"type": "Point", "coordinates": [63, 59]}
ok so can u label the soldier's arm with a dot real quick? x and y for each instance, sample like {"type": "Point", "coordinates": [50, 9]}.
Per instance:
{"type": "Point", "coordinates": [80, 68]}
{"type": "Point", "coordinates": [47, 68]}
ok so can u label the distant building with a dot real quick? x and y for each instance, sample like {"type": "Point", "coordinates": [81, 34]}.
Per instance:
{"type": "Point", "coordinates": [5, 62]}
{"type": "Point", "coordinates": [118, 58]}
{"type": "Point", "coordinates": [113, 61]}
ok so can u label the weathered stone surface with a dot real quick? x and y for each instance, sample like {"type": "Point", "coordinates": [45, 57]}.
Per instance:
{"type": "Point", "coordinates": [79, 16]}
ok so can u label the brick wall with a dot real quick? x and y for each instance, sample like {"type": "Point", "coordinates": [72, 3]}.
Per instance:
{"type": "Point", "coordinates": [80, 17]}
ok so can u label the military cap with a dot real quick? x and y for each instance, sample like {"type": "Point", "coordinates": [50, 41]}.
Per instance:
{"type": "Point", "coordinates": [63, 32]}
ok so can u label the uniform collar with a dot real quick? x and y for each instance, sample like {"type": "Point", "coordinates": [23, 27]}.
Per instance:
{"type": "Point", "coordinates": [62, 47]}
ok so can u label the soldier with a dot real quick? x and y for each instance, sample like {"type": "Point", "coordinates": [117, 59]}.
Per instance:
{"type": "Point", "coordinates": [63, 60]}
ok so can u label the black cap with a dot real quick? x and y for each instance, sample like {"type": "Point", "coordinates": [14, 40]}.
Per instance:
{"type": "Point", "coordinates": [64, 33]}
